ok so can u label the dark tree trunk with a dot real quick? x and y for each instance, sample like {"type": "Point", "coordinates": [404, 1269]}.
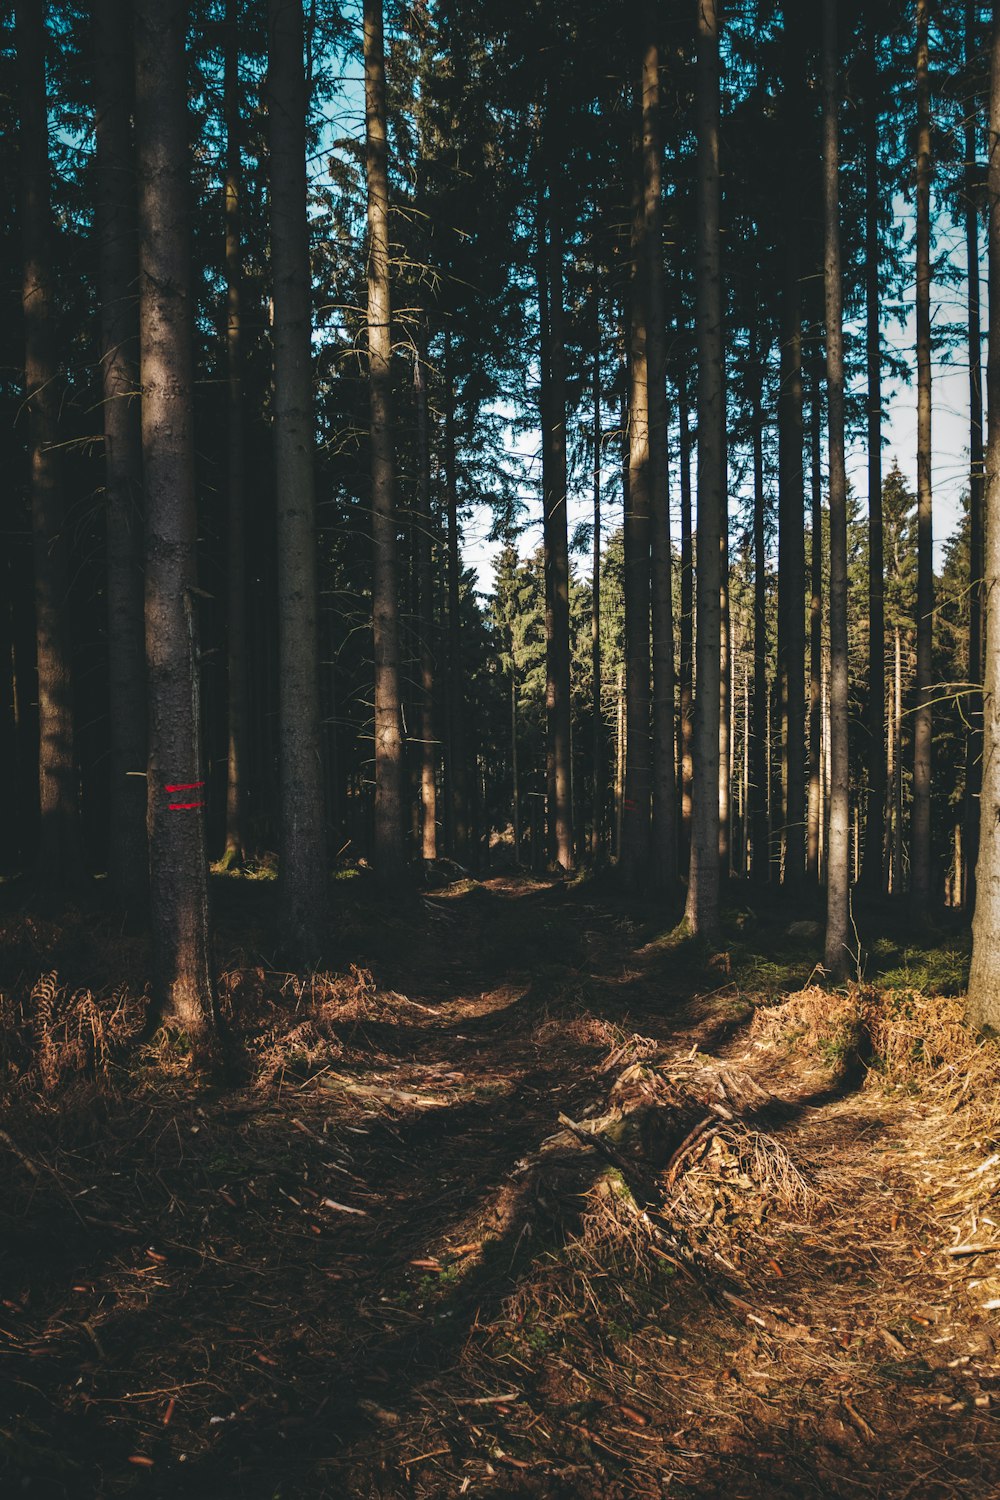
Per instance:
{"type": "Point", "coordinates": [458, 796]}
{"type": "Point", "coordinates": [597, 721]}
{"type": "Point", "coordinates": [183, 994]}
{"type": "Point", "coordinates": [839, 946]}
{"type": "Point", "coordinates": [871, 869]}
{"type": "Point", "coordinates": [425, 622]}
{"type": "Point", "coordinates": [302, 837]}
{"type": "Point", "coordinates": [390, 856]}
{"type": "Point", "coordinates": [920, 842]}
{"type": "Point", "coordinates": [702, 911]}
{"type": "Point", "coordinates": [983, 1002]}
{"type": "Point", "coordinates": [59, 859]}
{"type": "Point", "coordinates": [236, 614]}
{"type": "Point", "coordinates": [813, 830]}
{"type": "Point", "coordinates": [114, 87]}
{"type": "Point", "coordinates": [557, 651]}
{"type": "Point", "coordinates": [687, 635]}
{"type": "Point", "coordinates": [664, 780]}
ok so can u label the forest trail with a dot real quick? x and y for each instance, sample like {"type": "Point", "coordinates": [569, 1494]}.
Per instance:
{"type": "Point", "coordinates": [381, 1267]}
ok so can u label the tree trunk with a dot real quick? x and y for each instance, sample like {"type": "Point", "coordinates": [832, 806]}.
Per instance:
{"type": "Point", "coordinates": [838, 949]}
{"type": "Point", "coordinates": [761, 856]}
{"type": "Point", "coordinates": [114, 87]}
{"type": "Point", "coordinates": [974, 744]}
{"type": "Point", "coordinates": [983, 1002]}
{"type": "Point", "coordinates": [555, 527]}
{"type": "Point", "coordinates": [815, 639]}
{"type": "Point", "coordinates": [59, 857]}
{"type": "Point", "coordinates": [702, 910]}
{"type": "Point", "coordinates": [597, 720]}
{"type": "Point", "coordinates": [664, 779]}
{"type": "Point", "coordinates": [871, 870]}
{"type": "Point", "coordinates": [687, 636]}
{"type": "Point", "coordinates": [425, 593]}
{"type": "Point", "coordinates": [236, 615]}
{"type": "Point", "coordinates": [636, 803]}
{"type": "Point", "coordinates": [897, 832]}
{"type": "Point", "coordinates": [183, 994]}
{"type": "Point", "coordinates": [920, 844]}
{"type": "Point", "coordinates": [458, 797]}
{"type": "Point", "coordinates": [302, 839]}
{"type": "Point", "coordinates": [390, 856]}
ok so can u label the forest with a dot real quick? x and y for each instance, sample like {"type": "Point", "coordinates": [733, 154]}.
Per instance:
{"type": "Point", "coordinates": [522, 484]}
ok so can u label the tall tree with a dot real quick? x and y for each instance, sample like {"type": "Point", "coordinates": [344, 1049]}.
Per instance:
{"type": "Point", "coordinates": [920, 844]}
{"type": "Point", "coordinates": [175, 780]}
{"type": "Point", "coordinates": [702, 910]}
{"type": "Point", "coordinates": [554, 494]}
{"type": "Point", "coordinates": [114, 87]}
{"type": "Point", "coordinates": [425, 597]}
{"type": "Point", "coordinates": [974, 743]}
{"type": "Point", "coordinates": [390, 854]}
{"type": "Point", "coordinates": [236, 609]}
{"type": "Point", "coordinates": [59, 859]}
{"type": "Point", "coordinates": [302, 840]}
{"type": "Point", "coordinates": [664, 785]}
{"type": "Point", "coordinates": [760, 842]}
{"type": "Point", "coordinates": [983, 1001]}
{"type": "Point", "coordinates": [597, 712]}
{"type": "Point", "coordinates": [791, 495]}
{"type": "Point", "coordinates": [871, 869]}
{"type": "Point", "coordinates": [838, 891]}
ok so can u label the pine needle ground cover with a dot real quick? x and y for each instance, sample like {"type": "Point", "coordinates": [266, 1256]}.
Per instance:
{"type": "Point", "coordinates": [526, 1200]}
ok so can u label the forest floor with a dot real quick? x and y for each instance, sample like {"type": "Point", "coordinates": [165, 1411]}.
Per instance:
{"type": "Point", "coordinates": [533, 1200]}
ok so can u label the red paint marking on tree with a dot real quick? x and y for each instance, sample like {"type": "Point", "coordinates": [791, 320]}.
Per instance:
{"type": "Point", "coordinates": [183, 786]}
{"type": "Point", "coordinates": [183, 806]}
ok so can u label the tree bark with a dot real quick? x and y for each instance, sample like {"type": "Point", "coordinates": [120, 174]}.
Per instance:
{"type": "Point", "coordinates": [839, 947]}
{"type": "Point", "coordinates": [871, 869]}
{"type": "Point", "coordinates": [920, 843]}
{"type": "Point", "coordinates": [425, 597]}
{"type": "Point", "coordinates": [664, 780]}
{"type": "Point", "coordinates": [634, 858]}
{"type": "Point", "coordinates": [555, 527]}
{"type": "Point", "coordinates": [974, 744]}
{"type": "Point", "coordinates": [702, 910]}
{"type": "Point", "coordinates": [815, 638]}
{"type": "Point", "coordinates": [183, 994]}
{"type": "Point", "coordinates": [390, 856]}
{"type": "Point", "coordinates": [983, 1001]}
{"type": "Point", "coordinates": [236, 613]}
{"type": "Point", "coordinates": [761, 857]}
{"type": "Point", "coordinates": [114, 88]}
{"type": "Point", "coordinates": [458, 796]}
{"type": "Point", "coordinates": [59, 860]}
{"type": "Point", "coordinates": [687, 635]}
{"type": "Point", "coordinates": [597, 719]}
{"type": "Point", "coordinates": [302, 838]}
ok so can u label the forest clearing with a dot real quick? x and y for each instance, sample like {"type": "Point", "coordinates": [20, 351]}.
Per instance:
{"type": "Point", "coordinates": [382, 1264]}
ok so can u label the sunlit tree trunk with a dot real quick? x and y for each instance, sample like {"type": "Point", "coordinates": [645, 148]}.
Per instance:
{"type": "Point", "coordinates": [871, 871]}
{"type": "Point", "coordinates": [302, 836]}
{"type": "Point", "coordinates": [983, 1003]}
{"type": "Point", "coordinates": [838, 946]}
{"type": "Point", "coordinates": [920, 843]}
{"type": "Point", "coordinates": [59, 856]}
{"type": "Point", "coordinates": [114, 87]}
{"type": "Point", "coordinates": [760, 865]}
{"type": "Point", "coordinates": [183, 994]}
{"type": "Point", "coordinates": [702, 910]}
{"type": "Point", "coordinates": [236, 610]}
{"type": "Point", "coordinates": [597, 720]}
{"type": "Point", "coordinates": [455, 765]}
{"type": "Point", "coordinates": [390, 856]}
{"type": "Point", "coordinates": [974, 743]}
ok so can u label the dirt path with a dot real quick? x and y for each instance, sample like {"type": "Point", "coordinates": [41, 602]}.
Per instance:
{"type": "Point", "coordinates": [365, 1273]}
